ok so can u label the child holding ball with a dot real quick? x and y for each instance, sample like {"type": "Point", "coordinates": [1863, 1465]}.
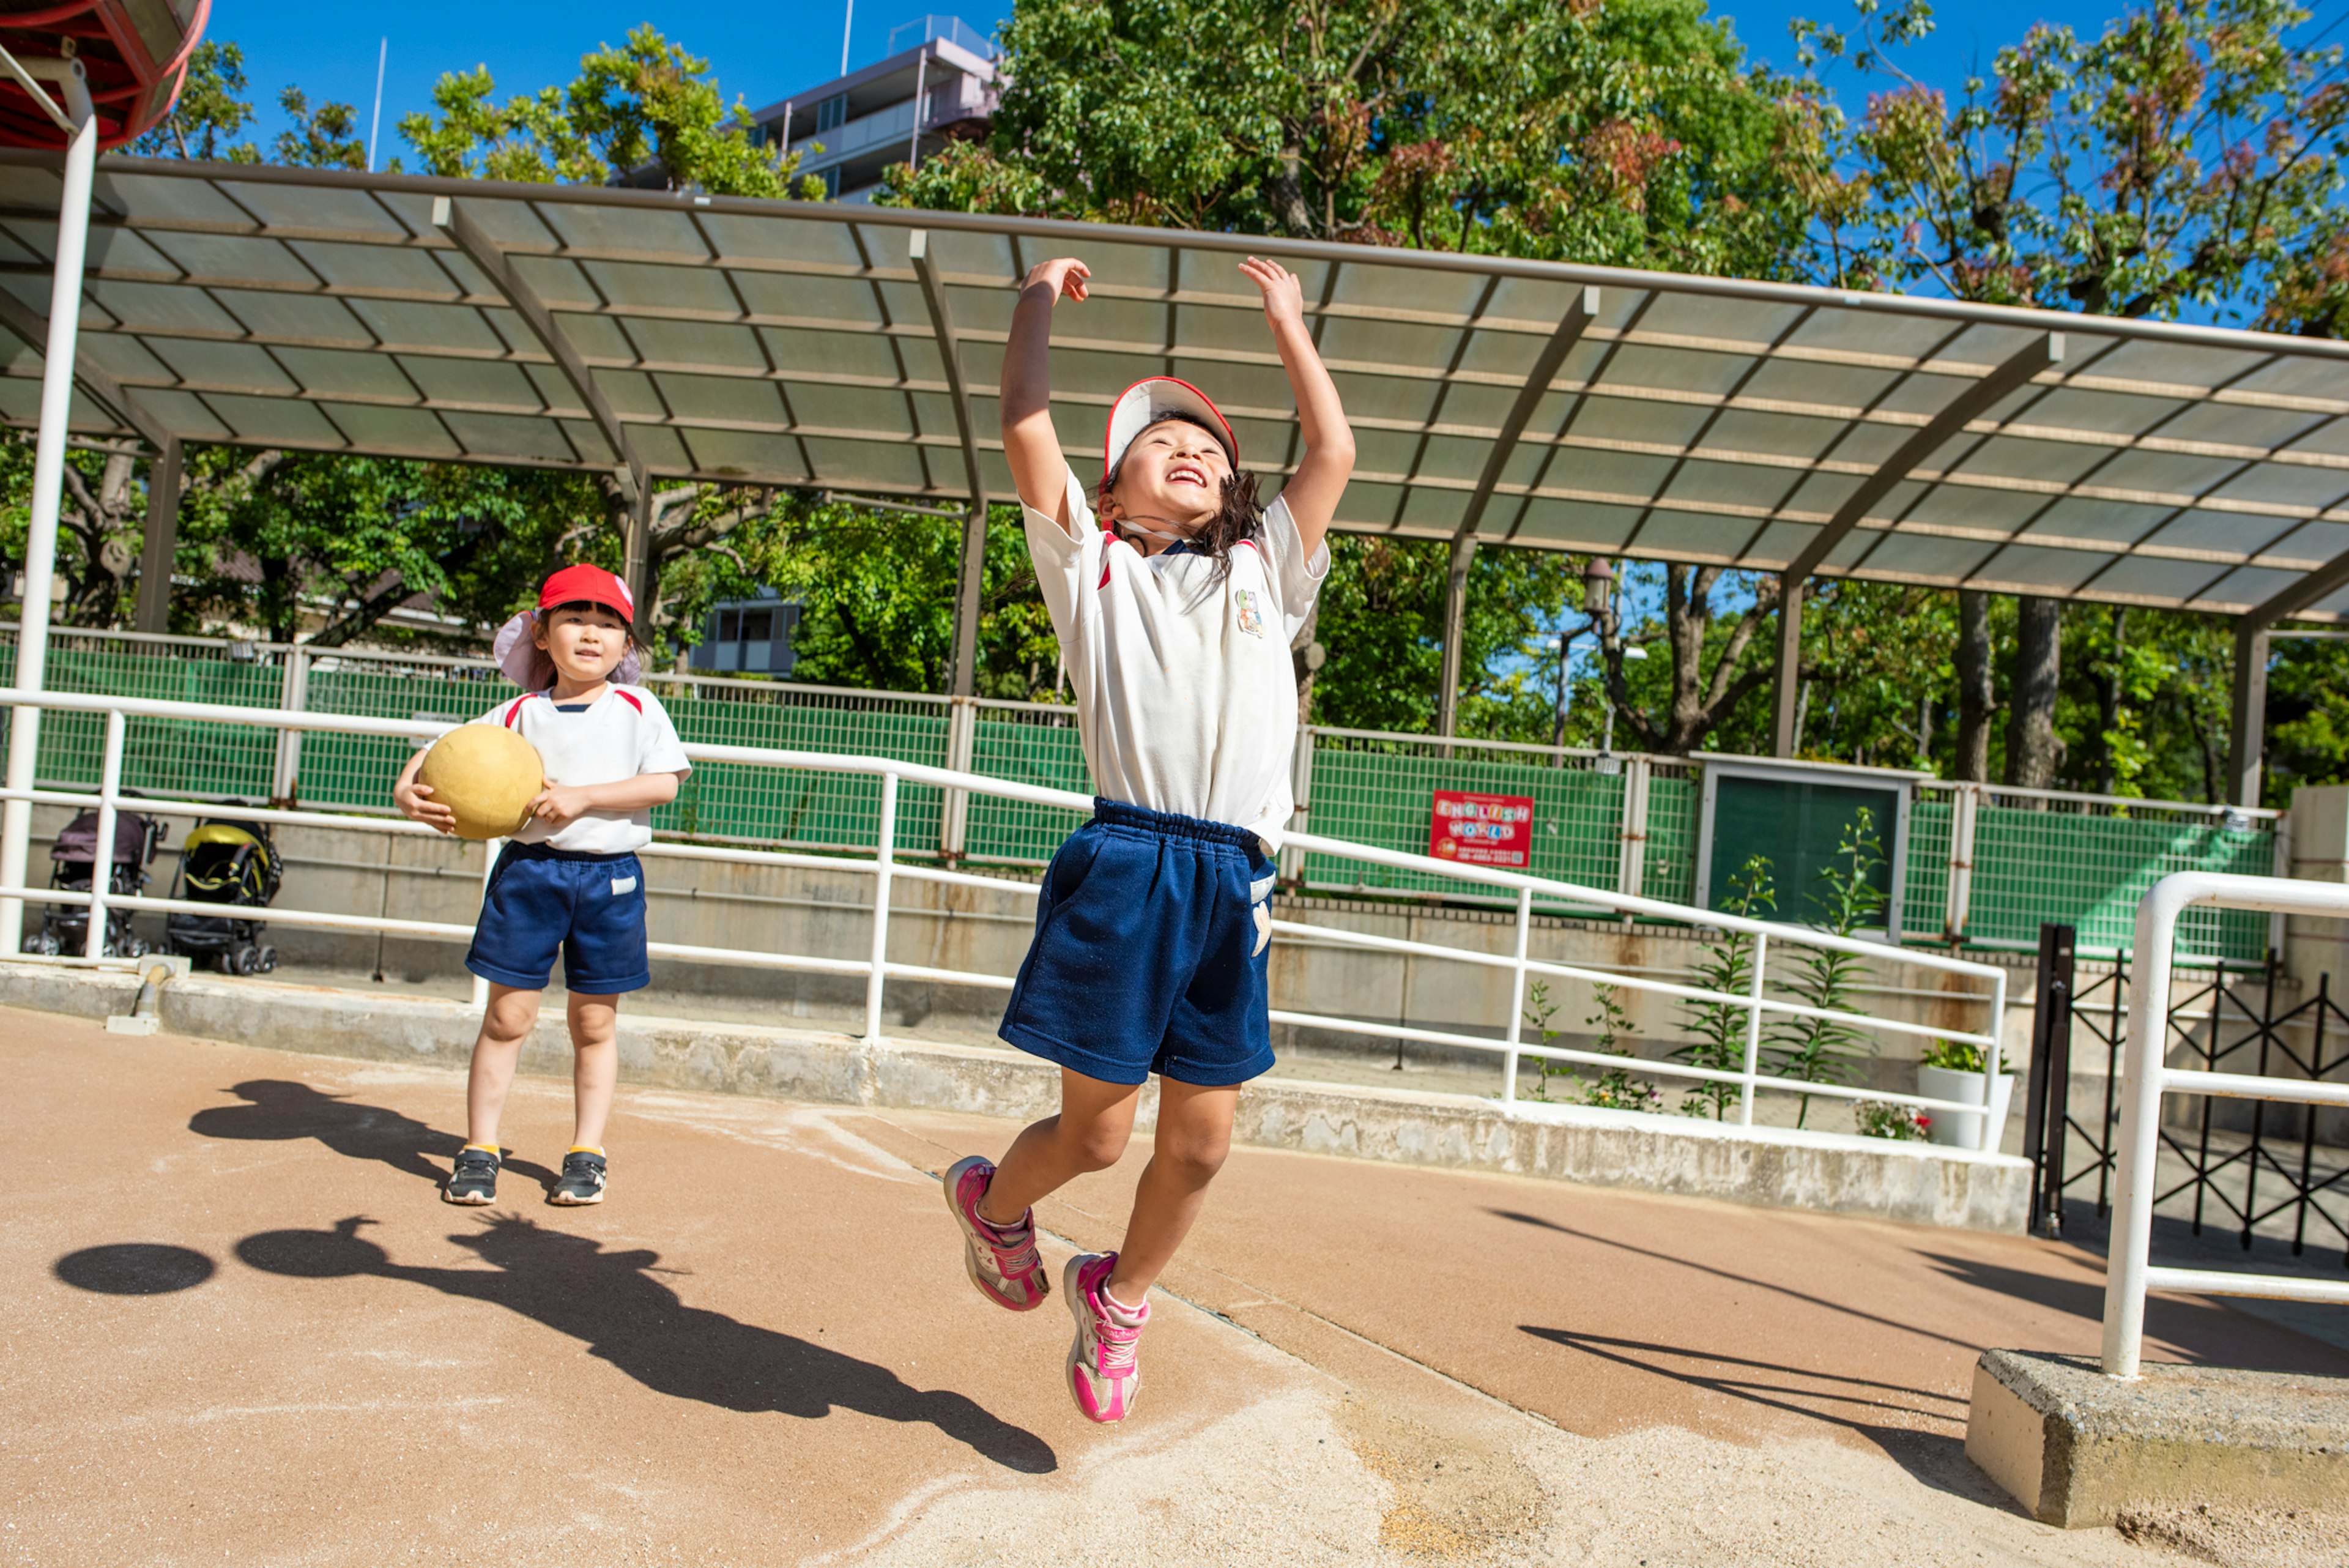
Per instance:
{"type": "Point", "coordinates": [569, 881]}
{"type": "Point", "coordinates": [1174, 610]}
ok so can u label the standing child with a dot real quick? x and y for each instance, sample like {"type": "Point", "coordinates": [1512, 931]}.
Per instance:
{"type": "Point", "coordinates": [1153, 919]}
{"type": "Point", "coordinates": [569, 881]}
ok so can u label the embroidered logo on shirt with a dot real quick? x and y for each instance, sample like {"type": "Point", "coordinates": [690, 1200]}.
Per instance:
{"type": "Point", "coordinates": [1251, 621]}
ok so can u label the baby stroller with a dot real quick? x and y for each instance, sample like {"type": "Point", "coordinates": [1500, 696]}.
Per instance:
{"type": "Point", "coordinates": [233, 864]}
{"type": "Point", "coordinates": [65, 928]}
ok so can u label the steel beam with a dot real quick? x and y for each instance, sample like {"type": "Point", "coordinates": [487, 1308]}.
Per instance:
{"type": "Point", "coordinates": [2043, 350]}
{"type": "Point", "coordinates": [974, 527]}
{"type": "Point", "coordinates": [483, 253]}
{"type": "Point", "coordinates": [1579, 316]}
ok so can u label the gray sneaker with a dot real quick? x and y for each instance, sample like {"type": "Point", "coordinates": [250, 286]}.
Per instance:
{"type": "Point", "coordinates": [582, 1181]}
{"type": "Point", "coordinates": [475, 1178]}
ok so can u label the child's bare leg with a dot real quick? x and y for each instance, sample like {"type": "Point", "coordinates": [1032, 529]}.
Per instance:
{"type": "Point", "coordinates": [594, 1066]}
{"type": "Point", "coordinates": [1195, 1134]}
{"type": "Point", "coordinates": [507, 1022]}
{"type": "Point", "coordinates": [1090, 1133]}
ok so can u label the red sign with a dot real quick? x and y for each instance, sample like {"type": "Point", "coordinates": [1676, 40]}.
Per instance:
{"type": "Point", "coordinates": [1482, 829]}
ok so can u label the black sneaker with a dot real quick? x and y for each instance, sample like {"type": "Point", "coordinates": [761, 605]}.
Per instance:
{"type": "Point", "coordinates": [583, 1179]}
{"type": "Point", "coordinates": [475, 1179]}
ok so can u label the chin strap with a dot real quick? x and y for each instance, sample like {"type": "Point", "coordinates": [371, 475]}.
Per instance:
{"type": "Point", "coordinates": [1122, 525]}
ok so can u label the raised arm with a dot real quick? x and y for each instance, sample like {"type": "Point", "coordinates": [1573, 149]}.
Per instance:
{"type": "Point", "coordinates": [1320, 479]}
{"type": "Point", "coordinates": [1029, 444]}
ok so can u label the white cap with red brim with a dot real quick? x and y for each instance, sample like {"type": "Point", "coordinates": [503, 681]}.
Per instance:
{"type": "Point", "coordinates": [1145, 403]}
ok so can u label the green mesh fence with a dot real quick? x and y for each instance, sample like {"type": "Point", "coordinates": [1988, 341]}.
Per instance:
{"type": "Point", "coordinates": [1925, 897]}
{"type": "Point", "coordinates": [1380, 794]}
{"type": "Point", "coordinates": [2052, 861]}
{"type": "Point", "coordinates": [1027, 747]}
{"type": "Point", "coordinates": [2034, 860]}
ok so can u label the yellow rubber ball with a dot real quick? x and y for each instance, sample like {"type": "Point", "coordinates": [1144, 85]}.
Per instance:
{"type": "Point", "coordinates": [487, 774]}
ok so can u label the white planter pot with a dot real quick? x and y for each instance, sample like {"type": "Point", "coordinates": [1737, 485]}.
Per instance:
{"type": "Point", "coordinates": [1961, 1129]}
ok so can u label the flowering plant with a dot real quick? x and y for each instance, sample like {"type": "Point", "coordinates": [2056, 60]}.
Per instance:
{"type": "Point", "coordinates": [1883, 1118]}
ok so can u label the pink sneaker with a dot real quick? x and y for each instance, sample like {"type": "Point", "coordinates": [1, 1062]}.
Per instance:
{"type": "Point", "coordinates": [1002, 1262]}
{"type": "Point", "coordinates": [1102, 1377]}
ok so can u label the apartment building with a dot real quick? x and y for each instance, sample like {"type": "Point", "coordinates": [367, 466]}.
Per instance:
{"type": "Point", "coordinates": [899, 110]}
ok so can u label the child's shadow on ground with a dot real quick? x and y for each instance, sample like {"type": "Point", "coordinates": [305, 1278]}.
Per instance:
{"type": "Point", "coordinates": [276, 1111]}
{"type": "Point", "coordinates": [612, 1303]}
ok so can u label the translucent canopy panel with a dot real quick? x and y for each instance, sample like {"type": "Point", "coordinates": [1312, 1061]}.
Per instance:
{"type": "Point", "coordinates": [1587, 409]}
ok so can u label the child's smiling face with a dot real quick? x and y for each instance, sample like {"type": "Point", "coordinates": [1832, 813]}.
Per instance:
{"type": "Point", "coordinates": [585, 641]}
{"type": "Point", "coordinates": [1171, 476]}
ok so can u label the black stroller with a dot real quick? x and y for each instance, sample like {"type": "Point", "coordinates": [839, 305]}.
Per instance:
{"type": "Point", "coordinates": [65, 928]}
{"type": "Point", "coordinates": [233, 864]}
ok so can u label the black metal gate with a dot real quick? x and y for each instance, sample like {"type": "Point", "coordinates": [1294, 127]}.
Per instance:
{"type": "Point", "coordinates": [2248, 1167]}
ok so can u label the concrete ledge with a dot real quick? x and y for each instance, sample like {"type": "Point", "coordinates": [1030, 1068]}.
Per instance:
{"type": "Point", "coordinates": [1774, 1167]}
{"type": "Point", "coordinates": [2078, 1449]}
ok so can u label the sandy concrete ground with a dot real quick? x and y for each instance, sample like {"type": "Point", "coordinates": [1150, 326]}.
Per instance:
{"type": "Point", "coordinates": [245, 1330]}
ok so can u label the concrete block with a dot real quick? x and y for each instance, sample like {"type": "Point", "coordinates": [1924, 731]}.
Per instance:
{"type": "Point", "coordinates": [2078, 1449]}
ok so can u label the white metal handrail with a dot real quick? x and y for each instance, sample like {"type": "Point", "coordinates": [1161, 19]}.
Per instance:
{"type": "Point", "coordinates": [2146, 1078]}
{"type": "Point", "coordinates": [884, 866]}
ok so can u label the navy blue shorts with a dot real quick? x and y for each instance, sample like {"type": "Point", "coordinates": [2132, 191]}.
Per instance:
{"type": "Point", "coordinates": [1150, 953]}
{"type": "Point", "coordinates": [588, 908]}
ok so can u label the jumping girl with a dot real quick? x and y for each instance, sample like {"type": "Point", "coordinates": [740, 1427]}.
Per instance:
{"type": "Point", "coordinates": [1174, 611]}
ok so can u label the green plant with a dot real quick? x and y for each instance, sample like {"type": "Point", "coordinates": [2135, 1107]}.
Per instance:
{"type": "Point", "coordinates": [1958, 1056]}
{"type": "Point", "coordinates": [1882, 1119]}
{"type": "Point", "coordinates": [1718, 1028]}
{"type": "Point", "coordinates": [1616, 1089]}
{"type": "Point", "coordinates": [1539, 1011]}
{"type": "Point", "coordinates": [1817, 1049]}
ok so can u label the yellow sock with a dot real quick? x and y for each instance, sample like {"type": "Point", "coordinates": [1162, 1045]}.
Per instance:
{"type": "Point", "coordinates": [491, 1146]}
{"type": "Point", "coordinates": [586, 1149]}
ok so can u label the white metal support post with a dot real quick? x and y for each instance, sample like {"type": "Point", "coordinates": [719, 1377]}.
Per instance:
{"type": "Point", "coordinates": [294, 697]}
{"type": "Point", "coordinates": [962, 743]}
{"type": "Point", "coordinates": [1517, 993]}
{"type": "Point", "coordinates": [1631, 861]}
{"type": "Point", "coordinates": [102, 865]}
{"type": "Point", "coordinates": [884, 857]}
{"type": "Point", "coordinates": [48, 465]}
{"type": "Point", "coordinates": [1753, 1031]}
{"type": "Point", "coordinates": [1956, 906]}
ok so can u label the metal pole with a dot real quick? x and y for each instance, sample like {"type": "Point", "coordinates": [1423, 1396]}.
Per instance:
{"type": "Point", "coordinates": [1753, 1031]}
{"type": "Point", "coordinates": [1517, 993]}
{"type": "Point", "coordinates": [161, 545]}
{"type": "Point", "coordinates": [374, 125]}
{"type": "Point", "coordinates": [48, 483]}
{"type": "Point", "coordinates": [1783, 739]}
{"type": "Point", "coordinates": [294, 697]}
{"type": "Point", "coordinates": [1455, 623]}
{"type": "Point", "coordinates": [101, 863]}
{"type": "Point", "coordinates": [882, 861]}
{"type": "Point", "coordinates": [921, 82]}
{"type": "Point", "coordinates": [848, 24]}
{"type": "Point", "coordinates": [2131, 1237]}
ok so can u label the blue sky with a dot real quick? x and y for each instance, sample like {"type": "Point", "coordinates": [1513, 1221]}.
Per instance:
{"type": "Point", "coordinates": [764, 52]}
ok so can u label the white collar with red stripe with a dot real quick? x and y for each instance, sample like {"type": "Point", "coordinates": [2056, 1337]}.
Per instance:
{"type": "Point", "coordinates": [514, 709]}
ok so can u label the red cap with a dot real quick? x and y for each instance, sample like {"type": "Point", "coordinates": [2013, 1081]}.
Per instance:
{"type": "Point", "coordinates": [1147, 403]}
{"type": "Point", "coordinates": [592, 585]}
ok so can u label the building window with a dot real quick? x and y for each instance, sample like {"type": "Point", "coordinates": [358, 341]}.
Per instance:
{"type": "Point", "coordinates": [748, 636]}
{"type": "Point", "coordinates": [832, 113]}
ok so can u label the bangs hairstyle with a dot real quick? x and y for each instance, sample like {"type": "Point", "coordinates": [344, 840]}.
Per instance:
{"type": "Point", "coordinates": [546, 617]}
{"type": "Point", "coordinates": [1237, 516]}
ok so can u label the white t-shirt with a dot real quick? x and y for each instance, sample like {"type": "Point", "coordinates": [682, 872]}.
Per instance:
{"type": "Point", "coordinates": [621, 733]}
{"type": "Point", "coordinates": [1186, 701]}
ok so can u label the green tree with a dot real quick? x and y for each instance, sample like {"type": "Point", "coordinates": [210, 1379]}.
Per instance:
{"type": "Point", "coordinates": [209, 112]}
{"type": "Point", "coordinates": [326, 137]}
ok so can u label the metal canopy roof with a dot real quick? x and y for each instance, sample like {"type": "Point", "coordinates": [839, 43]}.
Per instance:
{"type": "Point", "coordinates": [1645, 414]}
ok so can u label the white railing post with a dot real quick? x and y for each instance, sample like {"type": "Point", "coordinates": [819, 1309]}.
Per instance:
{"type": "Point", "coordinates": [48, 489]}
{"type": "Point", "coordinates": [1517, 994]}
{"type": "Point", "coordinates": [102, 865]}
{"type": "Point", "coordinates": [292, 697]}
{"type": "Point", "coordinates": [884, 857]}
{"type": "Point", "coordinates": [1957, 904]}
{"type": "Point", "coordinates": [491, 849]}
{"type": "Point", "coordinates": [1632, 857]}
{"type": "Point", "coordinates": [962, 746]}
{"type": "Point", "coordinates": [2131, 1239]}
{"type": "Point", "coordinates": [1301, 793]}
{"type": "Point", "coordinates": [1752, 1067]}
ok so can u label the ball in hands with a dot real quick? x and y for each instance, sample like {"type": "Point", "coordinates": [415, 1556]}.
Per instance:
{"type": "Point", "coordinates": [488, 775]}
